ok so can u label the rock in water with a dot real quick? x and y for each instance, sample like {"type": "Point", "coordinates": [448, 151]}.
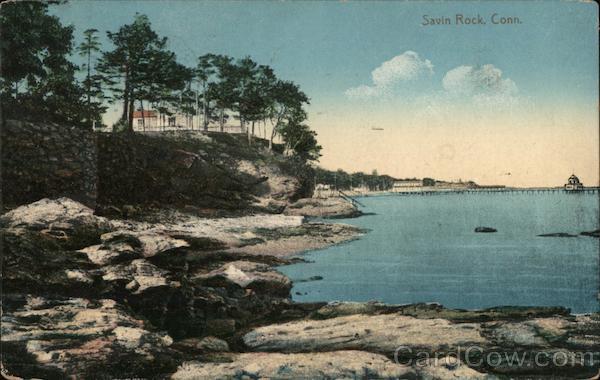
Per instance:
{"type": "Point", "coordinates": [485, 229]}
{"type": "Point", "coordinates": [557, 234]}
{"type": "Point", "coordinates": [595, 233]}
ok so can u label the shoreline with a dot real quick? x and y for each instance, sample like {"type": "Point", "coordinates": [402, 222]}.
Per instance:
{"type": "Point", "coordinates": [210, 287]}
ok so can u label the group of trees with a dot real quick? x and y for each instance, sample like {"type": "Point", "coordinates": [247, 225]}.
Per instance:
{"type": "Point", "coordinates": [37, 79]}
{"type": "Point", "coordinates": [342, 180]}
{"type": "Point", "coordinates": [139, 72]}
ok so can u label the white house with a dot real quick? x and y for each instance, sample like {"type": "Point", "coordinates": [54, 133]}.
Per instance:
{"type": "Point", "coordinates": [150, 120]}
{"type": "Point", "coordinates": [408, 185]}
{"type": "Point", "coordinates": [153, 121]}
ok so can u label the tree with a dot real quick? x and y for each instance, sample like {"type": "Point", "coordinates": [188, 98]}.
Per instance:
{"type": "Point", "coordinates": [286, 103]}
{"type": "Point", "coordinates": [205, 70]}
{"type": "Point", "coordinates": [92, 82]}
{"type": "Point", "coordinates": [428, 181]}
{"type": "Point", "coordinates": [38, 81]}
{"type": "Point", "coordinates": [140, 67]}
{"type": "Point", "coordinates": [260, 96]}
{"type": "Point", "coordinates": [223, 90]}
{"type": "Point", "coordinates": [301, 141]}
{"type": "Point", "coordinates": [244, 74]}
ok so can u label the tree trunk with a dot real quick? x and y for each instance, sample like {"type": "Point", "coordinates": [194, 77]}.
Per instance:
{"type": "Point", "coordinates": [271, 139]}
{"type": "Point", "coordinates": [125, 115]}
{"type": "Point", "coordinates": [247, 131]}
{"type": "Point", "coordinates": [143, 118]}
{"type": "Point", "coordinates": [222, 120]}
{"type": "Point", "coordinates": [204, 108]}
{"type": "Point", "coordinates": [130, 115]}
{"type": "Point", "coordinates": [89, 86]}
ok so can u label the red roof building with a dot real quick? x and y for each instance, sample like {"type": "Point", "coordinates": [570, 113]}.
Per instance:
{"type": "Point", "coordinates": [146, 114]}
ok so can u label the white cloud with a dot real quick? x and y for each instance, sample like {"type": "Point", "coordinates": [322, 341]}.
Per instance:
{"type": "Point", "coordinates": [404, 67]}
{"type": "Point", "coordinates": [485, 81]}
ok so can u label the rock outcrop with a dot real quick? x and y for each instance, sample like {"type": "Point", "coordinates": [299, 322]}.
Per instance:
{"type": "Point", "coordinates": [85, 295]}
{"type": "Point", "coordinates": [491, 346]}
{"type": "Point", "coordinates": [194, 169]}
{"type": "Point", "coordinates": [50, 338]}
{"type": "Point", "coordinates": [323, 208]}
{"type": "Point", "coordinates": [324, 365]}
{"type": "Point", "coordinates": [61, 220]}
{"type": "Point", "coordinates": [247, 275]}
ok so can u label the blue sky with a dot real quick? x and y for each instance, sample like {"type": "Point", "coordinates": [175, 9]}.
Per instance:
{"type": "Point", "coordinates": [328, 47]}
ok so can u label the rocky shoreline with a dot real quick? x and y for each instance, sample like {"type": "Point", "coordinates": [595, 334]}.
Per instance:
{"type": "Point", "coordinates": [177, 295]}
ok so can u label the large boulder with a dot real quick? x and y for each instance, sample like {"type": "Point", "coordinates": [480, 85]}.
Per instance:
{"type": "Point", "coordinates": [34, 264]}
{"type": "Point", "coordinates": [377, 333]}
{"type": "Point", "coordinates": [260, 278]}
{"type": "Point", "coordinates": [138, 276]}
{"type": "Point", "coordinates": [63, 220]}
{"type": "Point", "coordinates": [122, 245]}
{"type": "Point", "coordinates": [319, 365]}
{"type": "Point", "coordinates": [323, 207]}
{"type": "Point", "coordinates": [511, 347]}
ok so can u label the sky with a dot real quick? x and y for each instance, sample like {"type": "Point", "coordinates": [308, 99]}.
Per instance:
{"type": "Point", "coordinates": [514, 104]}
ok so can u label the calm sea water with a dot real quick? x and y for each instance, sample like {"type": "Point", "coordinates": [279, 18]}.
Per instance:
{"type": "Point", "coordinates": [424, 249]}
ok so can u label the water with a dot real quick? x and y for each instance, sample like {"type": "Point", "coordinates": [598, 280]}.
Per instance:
{"type": "Point", "coordinates": [423, 249]}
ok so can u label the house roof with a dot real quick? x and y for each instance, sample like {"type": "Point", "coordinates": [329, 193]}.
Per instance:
{"type": "Point", "coordinates": [147, 114]}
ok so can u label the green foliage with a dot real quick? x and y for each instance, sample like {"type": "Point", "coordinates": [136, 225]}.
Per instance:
{"type": "Point", "coordinates": [140, 68]}
{"type": "Point", "coordinates": [428, 182]}
{"type": "Point", "coordinates": [38, 82]}
{"type": "Point", "coordinates": [93, 81]}
{"type": "Point", "coordinates": [345, 181]}
{"type": "Point", "coordinates": [140, 73]}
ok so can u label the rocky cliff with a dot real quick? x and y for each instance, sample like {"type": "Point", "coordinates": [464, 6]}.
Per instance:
{"type": "Point", "coordinates": [83, 294]}
{"type": "Point", "coordinates": [195, 169]}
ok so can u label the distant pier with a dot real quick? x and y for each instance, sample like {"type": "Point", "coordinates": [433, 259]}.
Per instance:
{"type": "Point", "coordinates": [499, 190]}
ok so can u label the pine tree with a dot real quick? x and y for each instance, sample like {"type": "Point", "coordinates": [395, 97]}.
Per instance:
{"type": "Point", "coordinates": [141, 68]}
{"type": "Point", "coordinates": [92, 83]}
{"type": "Point", "coordinates": [38, 81]}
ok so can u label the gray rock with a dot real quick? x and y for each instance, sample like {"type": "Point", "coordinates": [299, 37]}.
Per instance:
{"type": "Point", "coordinates": [385, 333]}
{"type": "Point", "coordinates": [77, 337]}
{"type": "Point", "coordinates": [322, 365]}
{"type": "Point", "coordinates": [377, 333]}
{"type": "Point", "coordinates": [206, 344]}
{"type": "Point", "coordinates": [558, 234]}
{"type": "Point", "coordinates": [63, 220]}
{"type": "Point", "coordinates": [595, 233]}
{"type": "Point", "coordinates": [485, 229]}
{"type": "Point", "coordinates": [248, 275]}
{"type": "Point", "coordinates": [323, 207]}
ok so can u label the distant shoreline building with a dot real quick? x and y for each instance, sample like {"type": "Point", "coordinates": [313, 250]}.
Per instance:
{"type": "Point", "coordinates": [407, 185]}
{"type": "Point", "coordinates": [573, 184]}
